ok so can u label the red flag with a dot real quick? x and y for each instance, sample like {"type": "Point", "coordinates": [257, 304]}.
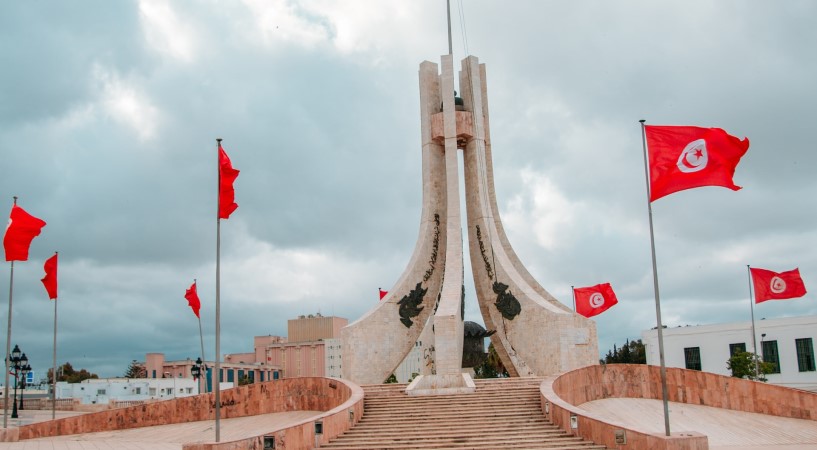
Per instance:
{"type": "Point", "coordinates": [226, 193]}
{"type": "Point", "coordinates": [594, 300]}
{"type": "Point", "coordinates": [777, 286]}
{"type": "Point", "coordinates": [382, 293]}
{"type": "Point", "coordinates": [22, 229]}
{"type": "Point", "coordinates": [50, 278]}
{"type": "Point", "coordinates": [690, 157]}
{"type": "Point", "coordinates": [193, 299]}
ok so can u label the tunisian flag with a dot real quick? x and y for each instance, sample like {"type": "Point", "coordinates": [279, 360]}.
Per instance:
{"type": "Point", "coordinates": [226, 193]}
{"type": "Point", "coordinates": [690, 157]}
{"type": "Point", "coordinates": [594, 300]}
{"type": "Point", "coordinates": [193, 299]}
{"type": "Point", "coordinates": [382, 293]}
{"type": "Point", "coordinates": [22, 229]}
{"type": "Point", "coordinates": [777, 286]}
{"type": "Point", "coordinates": [50, 278]}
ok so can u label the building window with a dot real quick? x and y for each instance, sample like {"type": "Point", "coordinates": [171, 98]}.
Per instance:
{"type": "Point", "coordinates": [734, 349]}
{"type": "Point", "coordinates": [770, 354]}
{"type": "Point", "coordinates": [100, 392]}
{"type": "Point", "coordinates": [692, 358]}
{"type": "Point", "coordinates": [805, 354]}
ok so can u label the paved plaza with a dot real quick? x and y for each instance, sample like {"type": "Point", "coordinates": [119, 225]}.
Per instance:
{"type": "Point", "coordinates": [726, 429]}
{"type": "Point", "coordinates": [164, 437]}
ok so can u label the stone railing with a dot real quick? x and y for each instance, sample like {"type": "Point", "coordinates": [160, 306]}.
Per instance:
{"type": "Point", "coordinates": [342, 401]}
{"type": "Point", "coordinates": [560, 396]}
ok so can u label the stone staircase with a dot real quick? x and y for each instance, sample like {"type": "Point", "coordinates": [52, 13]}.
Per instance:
{"type": "Point", "coordinates": [502, 413]}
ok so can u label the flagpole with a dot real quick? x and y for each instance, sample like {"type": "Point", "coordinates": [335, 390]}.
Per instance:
{"type": "Point", "coordinates": [660, 326]}
{"type": "Point", "coordinates": [448, 10]}
{"type": "Point", "coordinates": [8, 347]}
{"type": "Point", "coordinates": [573, 291]}
{"type": "Point", "coordinates": [54, 370]}
{"type": "Point", "coordinates": [218, 300]}
{"type": "Point", "coordinates": [201, 336]}
{"type": "Point", "coordinates": [752, 308]}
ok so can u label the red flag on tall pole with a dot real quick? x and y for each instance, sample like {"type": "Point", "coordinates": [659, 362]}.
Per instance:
{"type": "Point", "coordinates": [226, 193]}
{"type": "Point", "coordinates": [50, 278]}
{"type": "Point", "coordinates": [21, 230]}
{"type": "Point", "coordinates": [382, 293]}
{"type": "Point", "coordinates": [192, 297]}
{"type": "Point", "coordinates": [683, 158]}
{"type": "Point", "coordinates": [771, 285]}
{"type": "Point", "coordinates": [594, 300]}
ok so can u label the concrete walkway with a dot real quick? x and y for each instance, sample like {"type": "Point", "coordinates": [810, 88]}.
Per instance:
{"type": "Point", "coordinates": [726, 429]}
{"type": "Point", "coordinates": [163, 437]}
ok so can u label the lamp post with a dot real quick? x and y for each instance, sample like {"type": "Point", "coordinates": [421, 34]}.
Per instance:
{"type": "Point", "coordinates": [19, 363]}
{"type": "Point", "coordinates": [196, 372]}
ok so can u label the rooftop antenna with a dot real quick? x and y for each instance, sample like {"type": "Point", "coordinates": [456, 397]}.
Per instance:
{"type": "Point", "coordinates": [448, 10]}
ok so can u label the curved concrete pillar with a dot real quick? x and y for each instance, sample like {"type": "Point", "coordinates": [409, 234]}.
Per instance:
{"type": "Point", "coordinates": [375, 344]}
{"type": "Point", "coordinates": [535, 335]}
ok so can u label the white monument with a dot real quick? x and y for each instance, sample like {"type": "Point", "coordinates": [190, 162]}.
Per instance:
{"type": "Point", "coordinates": [536, 335]}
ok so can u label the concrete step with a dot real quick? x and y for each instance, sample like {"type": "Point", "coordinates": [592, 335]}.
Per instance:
{"type": "Point", "coordinates": [502, 413]}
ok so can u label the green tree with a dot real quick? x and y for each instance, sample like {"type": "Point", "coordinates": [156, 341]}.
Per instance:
{"type": "Point", "coordinates": [244, 380]}
{"type": "Point", "coordinates": [749, 366]}
{"type": "Point", "coordinates": [632, 352]}
{"type": "Point", "coordinates": [391, 379]}
{"type": "Point", "coordinates": [67, 373]}
{"type": "Point", "coordinates": [492, 367]}
{"type": "Point", "coordinates": [136, 370]}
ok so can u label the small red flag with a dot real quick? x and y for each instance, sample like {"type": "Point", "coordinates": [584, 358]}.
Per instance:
{"type": "Point", "coordinates": [777, 286]}
{"type": "Point", "coordinates": [690, 157]}
{"type": "Point", "coordinates": [50, 278]}
{"type": "Point", "coordinates": [193, 299]}
{"type": "Point", "coordinates": [226, 192]}
{"type": "Point", "coordinates": [594, 300]}
{"type": "Point", "coordinates": [382, 293]}
{"type": "Point", "coordinates": [21, 230]}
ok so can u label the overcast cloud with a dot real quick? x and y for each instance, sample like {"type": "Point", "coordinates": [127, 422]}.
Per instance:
{"type": "Point", "coordinates": [109, 113]}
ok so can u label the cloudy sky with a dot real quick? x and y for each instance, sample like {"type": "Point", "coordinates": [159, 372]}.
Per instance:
{"type": "Point", "coordinates": [109, 113]}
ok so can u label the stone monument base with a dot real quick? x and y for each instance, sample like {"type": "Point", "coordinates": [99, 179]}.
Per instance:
{"type": "Point", "coordinates": [460, 383]}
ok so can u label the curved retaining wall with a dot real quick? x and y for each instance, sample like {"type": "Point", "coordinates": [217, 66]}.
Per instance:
{"type": "Point", "coordinates": [342, 401]}
{"type": "Point", "coordinates": [560, 396]}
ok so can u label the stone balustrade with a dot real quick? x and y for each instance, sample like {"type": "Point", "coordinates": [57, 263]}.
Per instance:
{"type": "Point", "coordinates": [342, 402]}
{"type": "Point", "coordinates": [561, 395]}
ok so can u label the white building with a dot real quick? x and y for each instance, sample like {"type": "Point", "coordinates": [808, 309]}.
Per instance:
{"type": "Point", "coordinates": [332, 359]}
{"type": "Point", "coordinates": [102, 391]}
{"type": "Point", "coordinates": [787, 342]}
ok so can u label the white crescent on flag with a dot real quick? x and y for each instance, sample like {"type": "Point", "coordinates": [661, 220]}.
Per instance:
{"type": "Point", "coordinates": [778, 285]}
{"type": "Point", "coordinates": [694, 157]}
{"type": "Point", "coordinates": [596, 300]}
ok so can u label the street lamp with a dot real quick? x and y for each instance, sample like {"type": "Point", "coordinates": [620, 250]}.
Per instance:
{"type": "Point", "coordinates": [196, 372]}
{"type": "Point", "coordinates": [20, 366]}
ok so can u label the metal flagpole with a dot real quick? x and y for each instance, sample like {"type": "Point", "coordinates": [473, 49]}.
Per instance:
{"type": "Point", "coordinates": [573, 291]}
{"type": "Point", "coordinates": [201, 337]}
{"type": "Point", "coordinates": [752, 308]}
{"type": "Point", "coordinates": [54, 370]}
{"type": "Point", "coordinates": [660, 326]}
{"type": "Point", "coordinates": [8, 348]}
{"type": "Point", "coordinates": [448, 10]}
{"type": "Point", "coordinates": [218, 303]}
